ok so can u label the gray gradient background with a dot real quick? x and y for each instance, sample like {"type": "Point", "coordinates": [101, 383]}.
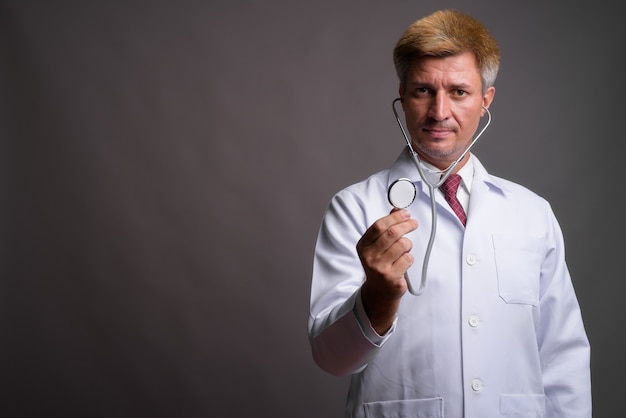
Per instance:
{"type": "Point", "coordinates": [165, 166]}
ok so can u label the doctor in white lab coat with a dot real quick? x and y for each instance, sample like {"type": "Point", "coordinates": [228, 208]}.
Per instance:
{"type": "Point", "coordinates": [498, 331]}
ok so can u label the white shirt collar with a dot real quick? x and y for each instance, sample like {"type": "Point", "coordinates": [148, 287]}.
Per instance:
{"type": "Point", "coordinates": [466, 172]}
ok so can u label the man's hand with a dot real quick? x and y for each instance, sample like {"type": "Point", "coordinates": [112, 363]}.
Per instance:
{"type": "Point", "coordinates": [385, 256]}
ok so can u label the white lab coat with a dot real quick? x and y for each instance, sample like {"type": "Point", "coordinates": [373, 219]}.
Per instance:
{"type": "Point", "coordinates": [498, 330]}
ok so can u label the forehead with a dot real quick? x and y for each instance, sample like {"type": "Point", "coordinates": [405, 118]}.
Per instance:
{"type": "Point", "coordinates": [457, 69]}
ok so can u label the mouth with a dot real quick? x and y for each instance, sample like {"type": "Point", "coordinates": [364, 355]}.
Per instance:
{"type": "Point", "coordinates": [438, 132]}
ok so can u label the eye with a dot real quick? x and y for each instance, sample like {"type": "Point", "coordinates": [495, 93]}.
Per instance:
{"type": "Point", "coordinates": [460, 93]}
{"type": "Point", "coordinates": [422, 91]}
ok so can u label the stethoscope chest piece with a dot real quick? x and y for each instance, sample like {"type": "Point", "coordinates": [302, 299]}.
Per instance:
{"type": "Point", "coordinates": [401, 193]}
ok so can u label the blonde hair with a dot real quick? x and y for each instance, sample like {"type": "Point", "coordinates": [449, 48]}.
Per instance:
{"type": "Point", "coordinates": [447, 33]}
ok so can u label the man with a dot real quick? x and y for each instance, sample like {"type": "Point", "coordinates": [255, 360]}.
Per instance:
{"type": "Point", "coordinates": [498, 329]}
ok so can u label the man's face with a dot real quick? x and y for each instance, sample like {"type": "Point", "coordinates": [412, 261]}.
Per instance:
{"type": "Point", "coordinates": [442, 102]}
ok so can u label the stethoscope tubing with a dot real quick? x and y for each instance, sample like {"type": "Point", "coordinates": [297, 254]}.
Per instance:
{"type": "Point", "coordinates": [431, 189]}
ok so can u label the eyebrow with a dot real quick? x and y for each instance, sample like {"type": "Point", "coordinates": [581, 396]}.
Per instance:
{"type": "Point", "coordinates": [457, 86]}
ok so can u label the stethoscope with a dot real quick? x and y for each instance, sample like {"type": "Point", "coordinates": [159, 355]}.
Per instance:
{"type": "Point", "coordinates": [402, 193]}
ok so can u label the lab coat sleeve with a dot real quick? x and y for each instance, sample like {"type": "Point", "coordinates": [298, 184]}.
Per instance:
{"type": "Point", "coordinates": [562, 341]}
{"type": "Point", "coordinates": [340, 339]}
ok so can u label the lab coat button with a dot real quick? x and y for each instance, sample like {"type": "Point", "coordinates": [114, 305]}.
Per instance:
{"type": "Point", "coordinates": [471, 259]}
{"type": "Point", "coordinates": [474, 321]}
{"type": "Point", "coordinates": [477, 385]}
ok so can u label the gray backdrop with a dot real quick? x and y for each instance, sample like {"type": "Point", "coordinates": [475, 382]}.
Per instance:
{"type": "Point", "coordinates": [165, 166]}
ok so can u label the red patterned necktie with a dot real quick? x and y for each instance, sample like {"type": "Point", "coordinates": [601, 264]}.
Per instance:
{"type": "Point", "coordinates": [449, 188]}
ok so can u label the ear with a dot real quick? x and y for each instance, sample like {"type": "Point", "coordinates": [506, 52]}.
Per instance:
{"type": "Point", "coordinates": [488, 98]}
{"type": "Point", "coordinates": [401, 94]}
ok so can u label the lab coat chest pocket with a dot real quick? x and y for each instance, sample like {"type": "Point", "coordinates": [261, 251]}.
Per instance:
{"type": "Point", "coordinates": [518, 261]}
{"type": "Point", "coordinates": [409, 408]}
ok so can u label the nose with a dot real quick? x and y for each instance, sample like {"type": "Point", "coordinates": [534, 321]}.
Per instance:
{"type": "Point", "coordinates": [439, 107]}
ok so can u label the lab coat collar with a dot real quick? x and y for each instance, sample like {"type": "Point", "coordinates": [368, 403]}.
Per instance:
{"type": "Point", "coordinates": [404, 167]}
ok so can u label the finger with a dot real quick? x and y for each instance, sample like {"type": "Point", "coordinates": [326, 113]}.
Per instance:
{"type": "Point", "coordinates": [382, 225]}
{"type": "Point", "coordinates": [397, 258]}
{"type": "Point", "coordinates": [397, 249]}
{"type": "Point", "coordinates": [402, 264]}
{"type": "Point", "coordinates": [392, 239]}
{"type": "Point", "coordinates": [390, 262]}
